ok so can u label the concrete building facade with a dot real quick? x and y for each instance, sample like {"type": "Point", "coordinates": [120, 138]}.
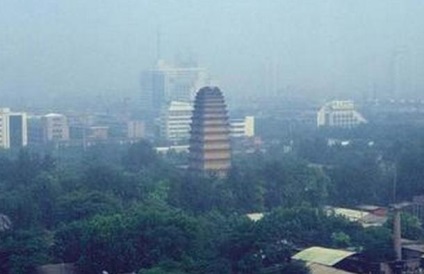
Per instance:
{"type": "Point", "coordinates": [13, 129]}
{"type": "Point", "coordinates": [210, 148]}
{"type": "Point", "coordinates": [240, 128]}
{"type": "Point", "coordinates": [175, 122]}
{"type": "Point", "coordinates": [55, 127]}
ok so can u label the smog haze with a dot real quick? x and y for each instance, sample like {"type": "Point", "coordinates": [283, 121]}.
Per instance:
{"type": "Point", "coordinates": [326, 48]}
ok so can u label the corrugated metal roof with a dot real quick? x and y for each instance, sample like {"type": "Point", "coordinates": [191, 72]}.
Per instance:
{"type": "Point", "coordinates": [324, 256]}
{"type": "Point", "coordinates": [323, 269]}
{"type": "Point", "coordinates": [365, 218]}
{"type": "Point", "coordinates": [351, 214]}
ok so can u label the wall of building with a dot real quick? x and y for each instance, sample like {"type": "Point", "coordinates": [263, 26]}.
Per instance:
{"type": "Point", "coordinates": [242, 127]}
{"type": "Point", "coordinates": [175, 121]}
{"type": "Point", "coordinates": [55, 127]}
{"type": "Point", "coordinates": [13, 129]}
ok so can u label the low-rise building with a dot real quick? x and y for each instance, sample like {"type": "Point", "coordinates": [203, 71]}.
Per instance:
{"type": "Point", "coordinates": [339, 114]}
{"type": "Point", "coordinates": [244, 127]}
{"type": "Point", "coordinates": [319, 259]}
{"type": "Point", "coordinates": [365, 218]}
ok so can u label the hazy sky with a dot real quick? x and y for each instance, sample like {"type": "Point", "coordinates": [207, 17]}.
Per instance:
{"type": "Point", "coordinates": [249, 46]}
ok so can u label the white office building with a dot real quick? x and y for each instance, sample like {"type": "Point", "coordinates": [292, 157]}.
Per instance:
{"type": "Point", "coordinates": [13, 129]}
{"type": "Point", "coordinates": [339, 114]}
{"type": "Point", "coordinates": [175, 121]}
{"type": "Point", "coordinates": [167, 83]}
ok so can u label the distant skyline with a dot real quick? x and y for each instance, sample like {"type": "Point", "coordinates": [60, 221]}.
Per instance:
{"type": "Point", "coordinates": [329, 48]}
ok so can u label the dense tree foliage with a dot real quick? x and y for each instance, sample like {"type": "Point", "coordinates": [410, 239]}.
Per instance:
{"type": "Point", "coordinates": [125, 208]}
{"type": "Point", "coordinates": [370, 164]}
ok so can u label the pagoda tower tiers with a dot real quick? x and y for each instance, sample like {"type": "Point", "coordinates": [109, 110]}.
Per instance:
{"type": "Point", "coordinates": [210, 149]}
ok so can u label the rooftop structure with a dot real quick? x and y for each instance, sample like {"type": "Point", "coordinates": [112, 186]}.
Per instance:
{"type": "Point", "coordinates": [324, 256]}
{"type": "Point", "coordinates": [255, 217]}
{"type": "Point", "coordinates": [210, 150]}
{"type": "Point", "coordinates": [365, 218]}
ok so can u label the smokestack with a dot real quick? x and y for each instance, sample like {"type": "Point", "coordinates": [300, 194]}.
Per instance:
{"type": "Point", "coordinates": [397, 234]}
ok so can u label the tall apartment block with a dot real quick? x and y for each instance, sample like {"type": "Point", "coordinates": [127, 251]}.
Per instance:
{"type": "Point", "coordinates": [168, 83]}
{"type": "Point", "coordinates": [210, 149]}
{"type": "Point", "coordinates": [13, 129]}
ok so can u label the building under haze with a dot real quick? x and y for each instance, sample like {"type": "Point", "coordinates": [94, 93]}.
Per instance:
{"type": "Point", "coordinates": [13, 129]}
{"type": "Point", "coordinates": [210, 149]}
{"type": "Point", "coordinates": [168, 83]}
{"type": "Point", "coordinates": [240, 128]}
{"type": "Point", "coordinates": [175, 121]}
{"type": "Point", "coordinates": [339, 114]}
{"type": "Point", "coordinates": [55, 127]}
{"type": "Point", "coordinates": [135, 130]}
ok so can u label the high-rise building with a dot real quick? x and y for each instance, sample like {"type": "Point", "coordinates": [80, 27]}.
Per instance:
{"type": "Point", "coordinates": [210, 149]}
{"type": "Point", "coordinates": [339, 114]}
{"type": "Point", "coordinates": [13, 129]}
{"type": "Point", "coordinates": [170, 83]}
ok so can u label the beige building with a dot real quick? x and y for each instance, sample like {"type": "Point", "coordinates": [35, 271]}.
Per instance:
{"type": "Point", "coordinates": [242, 127]}
{"type": "Point", "coordinates": [55, 127]}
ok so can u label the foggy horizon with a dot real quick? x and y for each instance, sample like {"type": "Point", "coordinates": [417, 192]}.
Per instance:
{"type": "Point", "coordinates": [328, 48]}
